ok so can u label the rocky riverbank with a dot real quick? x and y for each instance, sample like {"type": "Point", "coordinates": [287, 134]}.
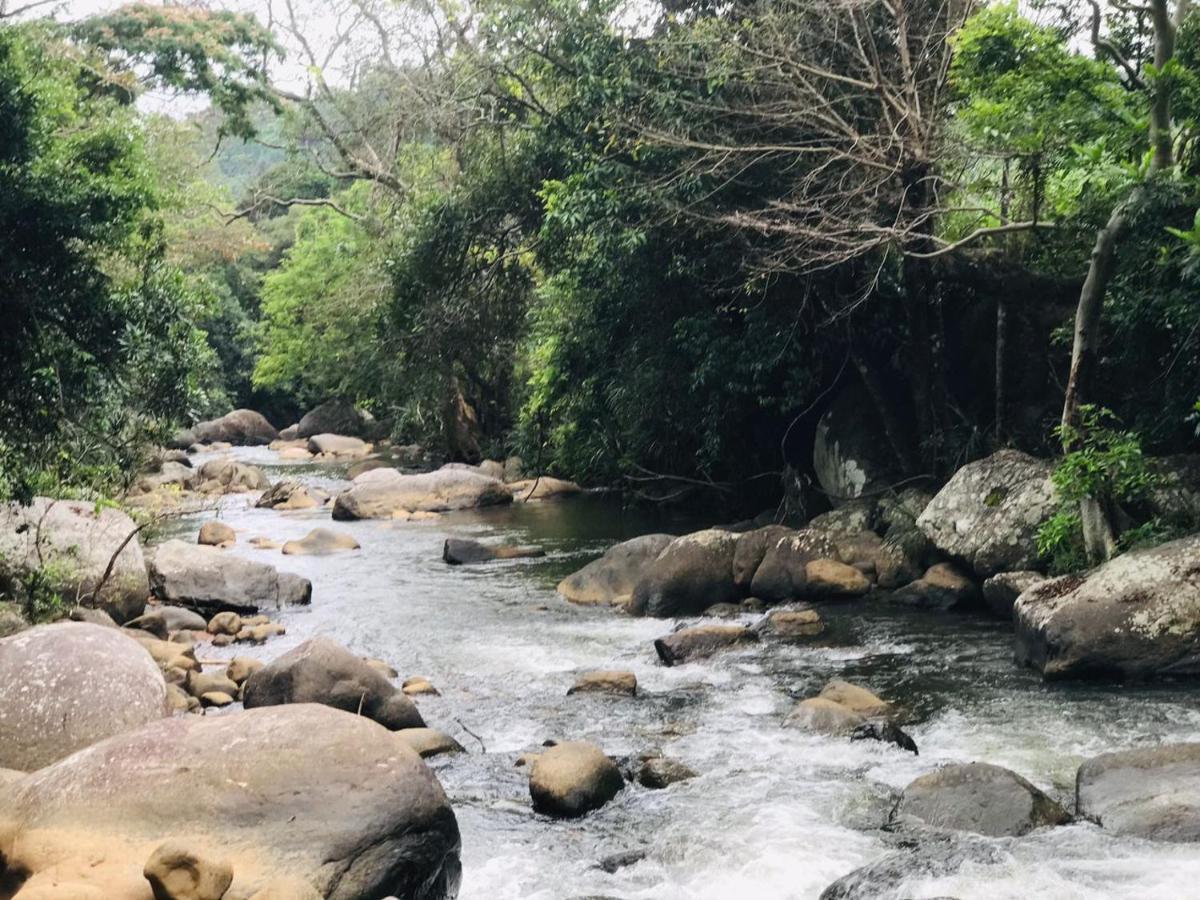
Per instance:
{"type": "Point", "coordinates": [771, 641]}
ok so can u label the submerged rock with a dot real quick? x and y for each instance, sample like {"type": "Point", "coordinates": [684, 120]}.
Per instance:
{"type": "Point", "coordinates": [210, 579]}
{"type": "Point", "coordinates": [241, 427]}
{"type": "Point", "coordinates": [1134, 617]}
{"type": "Point", "coordinates": [690, 574]}
{"type": "Point", "coordinates": [856, 698]}
{"type": "Point", "coordinates": [72, 543]}
{"type": "Point", "coordinates": [385, 493]}
{"type": "Point", "coordinates": [979, 798]}
{"type": "Point", "coordinates": [323, 671]}
{"type": "Point", "coordinates": [989, 512]}
{"type": "Point", "coordinates": [820, 715]}
{"type": "Point", "coordinates": [573, 778]}
{"type": "Point", "coordinates": [1149, 792]}
{"type": "Point", "coordinates": [936, 856]}
{"type": "Point", "coordinates": [610, 579]}
{"type": "Point", "coordinates": [460, 551]}
{"type": "Point", "coordinates": [66, 686]}
{"type": "Point", "coordinates": [321, 542]}
{"type": "Point", "coordinates": [658, 772]}
{"type": "Point", "coordinates": [605, 682]}
{"type": "Point", "coordinates": [338, 445]}
{"type": "Point", "coordinates": [700, 641]}
{"type": "Point", "coordinates": [886, 733]}
{"type": "Point", "coordinates": [311, 793]}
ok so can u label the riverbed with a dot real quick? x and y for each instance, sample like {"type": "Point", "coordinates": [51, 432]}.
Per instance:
{"type": "Point", "coordinates": [775, 814]}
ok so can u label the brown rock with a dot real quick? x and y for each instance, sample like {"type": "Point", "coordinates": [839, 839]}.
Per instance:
{"type": "Point", "coordinates": [175, 872]}
{"type": "Point", "coordinates": [418, 685]}
{"type": "Point", "coordinates": [242, 667]}
{"type": "Point", "coordinates": [216, 534]}
{"type": "Point", "coordinates": [793, 624]}
{"type": "Point", "coordinates": [605, 682]}
{"type": "Point", "coordinates": [573, 778]}
{"type": "Point", "coordinates": [225, 623]}
{"type": "Point", "coordinates": [321, 542]}
{"type": "Point", "coordinates": [821, 715]}
{"type": "Point", "coordinates": [700, 641]}
{"type": "Point", "coordinates": [829, 578]}
{"type": "Point", "coordinates": [429, 741]}
{"type": "Point", "coordinates": [855, 698]}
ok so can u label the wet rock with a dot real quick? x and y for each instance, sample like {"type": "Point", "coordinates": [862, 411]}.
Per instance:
{"type": "Point", "coordinates": [322, 671]}
{"type": "Point", "coordinates": [792, 624]}
{"type": "Point", "coordinates": [385, 493]}
{"type": "Point", "coordinates": [242, 427]}
{"type": "Point", "coordinates": [544, 488]}
{"type": "Point", "coordinates": [979, 798]}
{"type": "Point", "coordinates": [66, 686]}
{"type": "Point", "coordinates": [856, 698]}
{"type": "Point", "coordinates": [605, 682]}
{"type": "Point", "coordinates": [321, 542]}
{"type": "Point", "coordinates": [176, 872]}
{"type": "Point", "coordinates": [311, 793]}
{"type": "Point", "coordinates": [821, 715]}
{"type": "Point", "coordinates": [208, 579]}
{"type": "Point", "coordinates": [614, 862]}
{"type": "Point", "coordinates": [288, 494]}
{"type": "Point", "coordinates": [429, 742]}
{"type": "Point", "coordinates": [828, 578]}
{"type": "Point", "coordinates": [782, 574]}
{"type": "Point", "coordinates": [988, 514]}
{"type": "Point", "coordinates": [690, 574]}
{"type": "Point", "coordinates": [72, 542]}
{"type": "Point", "coordinates": [217, 699]}
{"type": "Point", "coordinates": [1000, 592]}
{"type": "Point", "coordinates": [573, 778]}
{"type": "Point", "coordinates": [417, 685]}
{"type": "Point", "coordinates": [227, 476]}
{"type": "Point", "coordinates": [1137, 616]}
{"type": "Point", "coordinates": [752, 547]}
{"type": "Point", "coordinates": [610, 579]}
{"type": "Point", "coordinates": [242, 667]}
{"type": "Point", "coordinates": [336, 416]}
{"type": "Point", "coordinates": [1149, 792]}
{"type": "Point", "coordinates": [216, 534]}
{"type": "Point", "coordinates": [658, 772]}
{"type": "Point", "coordinates": [935, 856]}
{"type": "Point", "coordinates": [886, 733]}
{"type": "Point", "coordinates": [941, 587]}
{"type": "Point", "coordinates": [700, 641]}
{"type": "Point", "coordinates": [723, 611]}
{"type": "Point", "coordinates": [338, 445]}
{"type": "Point", "coordinates": [460, 551]}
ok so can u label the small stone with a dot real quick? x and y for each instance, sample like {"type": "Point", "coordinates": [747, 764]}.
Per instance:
{"type": "Point", "coordinates": [222, 640]}
{"type": "Point", "coordinates": [216, 698]}
{"type": "Point", "coordinates": [791, 624]}
{"type": "Point", "coordinates": [175, 872]}
{"type": "Point", "coordinates": [201, 683]}
{"type": "Point", "coordinates": [605, 682]}
{"type": "Point", "coordinates": [225, 623]}
{"type": "Point", "coordinates": [381, 667]}
{"type": "Point", "coordinates": [418, 685]}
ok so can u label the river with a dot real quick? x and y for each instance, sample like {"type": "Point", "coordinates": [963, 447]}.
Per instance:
{"type": "Point", "coordinates": [774, 814]}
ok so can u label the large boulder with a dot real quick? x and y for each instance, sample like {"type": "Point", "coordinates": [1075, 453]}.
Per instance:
{"type": "Point", "coordinates": [242, 427]}
{"type": "Point", "coordinates": [67, 686]}
{"type": "Point", "coordinates": [610, 579]}
{"type": "Point", "coordinates": [336, 416]}
{"type": "Point", "coordinates": [70, 544]}
{"type": "Point", "coordinates": [752, 547]}
{"type": "Point", "coordinates": [1150, 792]}
{"type": "Point", "coordinates": [385, 493]}
{"type": "Point", "coordinates": [783, 572]}
{"type": "Point", "coordinates": [979, 798]}
{"type": "Point", "coordinates": [323, 671]}
{"type": "Point", "coordinates": [851, 454]}
{"type": "Point", "coordinates": [308, 793]}
{"type": "Point", "coordinates": [573, 778]}
{"type": "Point", "coordinates": [692, 573]}
{"type": "Point", "coordinates": [211, 580]}
{"type": "Point", "coordinates": [338, 445]}
{"type": "Point", "coordinates": [1134, 617]}
{"type": "Point", "coordinates": [989, 512]}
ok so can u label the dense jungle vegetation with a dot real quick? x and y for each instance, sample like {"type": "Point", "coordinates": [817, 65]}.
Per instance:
{"type": "Point", "coordinates": [646, 245]}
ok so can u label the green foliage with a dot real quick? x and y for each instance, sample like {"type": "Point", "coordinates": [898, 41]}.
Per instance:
{"type": "Point", "coordinates": [1106, 463]}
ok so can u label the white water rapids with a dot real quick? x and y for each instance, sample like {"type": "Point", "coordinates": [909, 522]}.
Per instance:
{"type": "Point", "coordinates": [774, 814]}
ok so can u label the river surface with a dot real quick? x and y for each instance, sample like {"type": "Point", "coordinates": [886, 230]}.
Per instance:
{"type": "Point", "coordinates": [775, 814]}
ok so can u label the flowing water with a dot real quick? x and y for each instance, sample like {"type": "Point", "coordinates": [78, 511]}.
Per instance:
{"type": "Point", "coordinates": [774, 813]}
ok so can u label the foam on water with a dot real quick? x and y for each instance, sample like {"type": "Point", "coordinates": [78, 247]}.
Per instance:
{"type": "Point", "coordinates": [774, 814]}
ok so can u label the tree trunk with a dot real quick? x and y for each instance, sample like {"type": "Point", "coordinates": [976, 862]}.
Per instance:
{"type": "Point", "coordinates": [897, 435]}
